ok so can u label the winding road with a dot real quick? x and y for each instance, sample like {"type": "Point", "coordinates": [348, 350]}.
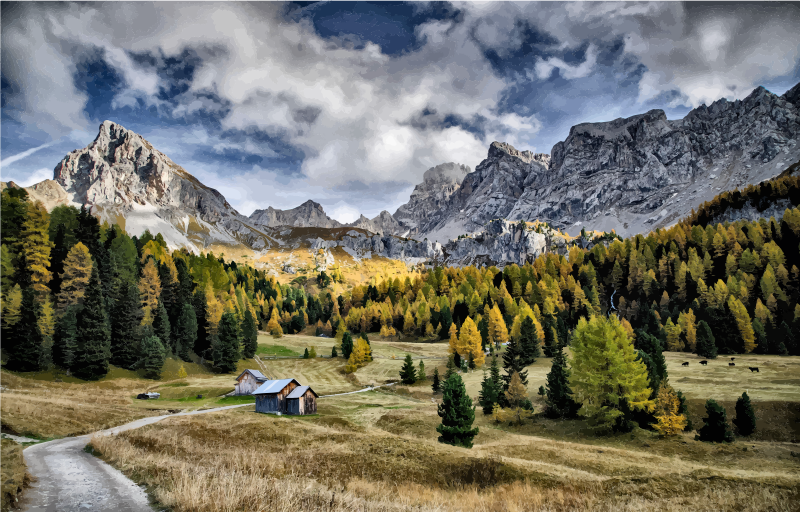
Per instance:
{"type": "Point", "coordinates": [69, 479]}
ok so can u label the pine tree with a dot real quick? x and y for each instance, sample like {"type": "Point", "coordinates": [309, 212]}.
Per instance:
{"type": "Point", "coordinates": [408, 374]}
{"type": "Point", "coordinates": [470, 343]}
{"type": "Point", "coordinates": [305, 354]}
{"type": "Point", "coordinates": [457, 414]}
{"type": "Point", "coordinates": [226, 348]}
{"type": "Point", "coordinates": [517, 398]}
{"type": "Point", "coordinates": [605, 371]}
{"type": "Point", "coordinates": [513, 362]}
{"type": "Point", "coordinates": [706, 344]}
{"type": "Point", "coordinates": [559, 400]}
{"type": "Point", "coordinates": [161, 327]}
{"type": "Point", "coordinates": [65, 338]}
{"type": "Point", "coordinates": [421, 376]}
{"type": "Point", "coordinates": [94, 337]}
{"type": "Point", "coordinates": [202, 344]}
{"type": "Point", "coordinates": [745, 420]}
{"type": "Point", "coordinates": [347, 344]}
{"type": "Point", "coordinates": [529, 342]}
{"type": "Point", "coordinates": [670, 420]}
{"type": "Point", "coordinates": [152, 357]}
{"type": "Point", "coordinates": [450, 369]}
{"type": "Point", "coordinates": [684, 410]}
{"type": "Point", "coordinates": [334, 354]}
{"type": "Point", "coordinates": [489, 394]}
{"type": "Point", "coordinates": [75, 278]}
{"type": "Point", "coordinates": [186, 332]}
{"type": "Point", "coordinates": [437, 385]}
{"type": "Point", "coordinates": [716, 428]}
{"type": "Point", "coordinates": [35, 248]}
{"type": "Point", "coordinates": [124, 327]}
{"type": "Point", "coordinates": [249, 335]}
{"type": "Point", "coordinates": [23, 342]}
{"type": "Point", "coordinates": [744, 324]}
{"type": "Point", "coordinates": [149, 291]}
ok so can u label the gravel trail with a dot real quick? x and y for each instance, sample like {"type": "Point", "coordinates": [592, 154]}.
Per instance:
{"type": "Point", "coordinates": [69, 479]}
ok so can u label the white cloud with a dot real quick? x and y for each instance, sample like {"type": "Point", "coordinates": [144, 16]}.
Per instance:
{"type": "Point", "coordinates": [344, 213]}
{"type": "Point", "coordinates": [544, 67]}
{"type": "Point", "coordinates": [19, 156]}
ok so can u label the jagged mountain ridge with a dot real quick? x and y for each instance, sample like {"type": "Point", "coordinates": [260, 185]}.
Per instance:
{"type": "Point", "coordinates": [633, 174]}
{"type": "Point", "coordinates": [308, 214]}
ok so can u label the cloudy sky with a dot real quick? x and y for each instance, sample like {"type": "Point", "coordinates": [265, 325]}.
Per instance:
{"type": "Point", "coordinates": [349, 103]}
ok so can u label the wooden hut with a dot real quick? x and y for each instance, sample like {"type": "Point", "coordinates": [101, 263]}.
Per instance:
{"type": "Point", "coordinates": [301, 401]}
{"type": "Point", "coordinates": [271, 395]}
{"type": "Point", "coordinates": [248, 381]}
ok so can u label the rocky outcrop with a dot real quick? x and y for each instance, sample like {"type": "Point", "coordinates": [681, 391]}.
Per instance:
{"type": "Point", "coordinates": [439, 183]}
{"type": "Point", "coordinates": [48, 192]}
{"type": "Point", "coordinates": [124, 179]}
{"type": "Point", "coordinates": [361, 246]}
{"type": "Point", "coordinates": [382, 224]}
{"type": "Point", "coordinates": [308, 214]}
{"type": "Point", "coordinates": [500, 243]}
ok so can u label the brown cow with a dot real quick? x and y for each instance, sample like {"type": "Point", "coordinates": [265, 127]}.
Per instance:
{"type": "Point", "coordinates": [753, 369]}
{"type": "Point", "coordinates": [685, 364]}
{"type": "Point", "coordinates": [731, 364]}
{"type": "Point", "coordinates": [703, 362]}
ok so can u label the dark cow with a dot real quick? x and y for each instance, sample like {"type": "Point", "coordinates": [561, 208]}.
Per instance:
{"type": "Point", "coordinates": [703, 362]}
{"type": "Point", "coordinates": [732, 358]}
{"type": "Point", "coordinates": [753, 369]}
{"type": "Point", "coordinates": [685, 364]}
{"type": "Point", "coordinates": [731, 364]}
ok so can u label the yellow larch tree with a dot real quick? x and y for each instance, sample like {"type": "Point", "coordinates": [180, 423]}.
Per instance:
{"type": "Point", "coordinates": [35, 248]}
{"type": "Point", "coordinates": [274, 325]}
{"type": "Point", "coordinates": [149, 291]}
{"type": "Point", "coordinates": [688, 324]}
{"type": "Point", "coordinates": [674, 342]}
{"type": "Point", "coordinates": [667, 410]}
{"type": "Point", "coordinates": [743, 322]}
{"type": "Point", "coordinates": [470, 342]}
{"type": "Point", "coordinates": [498, 325]}
{"type": "Point", "coordinates": [75, 278]}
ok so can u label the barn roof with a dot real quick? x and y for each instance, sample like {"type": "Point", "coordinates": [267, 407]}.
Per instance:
{"type": "Point", "coordinates": [256, 374]}
{"type": "Point", "coordinates": [298, 392]}
{"type": "Point", "coordinates": [273, 386]}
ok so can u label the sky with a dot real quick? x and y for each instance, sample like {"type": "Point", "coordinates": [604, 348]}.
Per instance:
{"type": "Point", "coordinates": [349, 103]}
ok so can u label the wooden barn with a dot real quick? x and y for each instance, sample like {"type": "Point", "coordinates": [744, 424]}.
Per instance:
{"type": "Point", "coordinates": [301, 401]}
{"type": "Point", "coordinates": [248, 381]}
{"type": "Point", "coordinates": [271, 395]}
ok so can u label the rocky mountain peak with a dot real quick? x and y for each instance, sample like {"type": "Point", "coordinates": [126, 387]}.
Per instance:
{"type": "Point", "coordinates": [449, 172]}
{"type": "Point", "coordinates": [309, 213]}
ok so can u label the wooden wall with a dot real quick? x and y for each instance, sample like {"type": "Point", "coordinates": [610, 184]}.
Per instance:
{"type": "Point", "coordinates": [306, 405]}
{"type": "Point", "coordinates": [247, 385]}
{"type": "Point", "coordinates": [273, 403]}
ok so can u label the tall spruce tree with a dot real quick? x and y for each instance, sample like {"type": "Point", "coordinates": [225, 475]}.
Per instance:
{"type": "Point", "coordinates": [450, 369]}
{"type": "Point", "coordinates": [745, 420]}
{"type": "Point", "coordinates": [249, 335]}
{"type": "Point", "coordinates": [489, 394]}
{"type": "Point", "coordinates": [558, 401]}
{"type": "Point", "coordinates": [408, 374]}
{"type": "Point", "coordinates": [94, 337]}
{"type": "Point", "coordinates": [716, 428]}
{"type": "Point", "coordinates": [125, 320]}
{"type": "Point", "coordinates": [706, 344]}
{"type": "Point", "coordinates": [457, 414]}
{"type": "Point", "coordinates": [186, 332]}
{"type": "Point", "coordinates": [202, 344]}
{"type": "Point", "coordinates": [152, 357]}
{"type": "Point", "coordinates": [23, 343]}
{"type": "Point", "coordinates": [162, 328]}
{"type": "Point", "coordinates": [65, 338]}
{"type": "Point", "coordinates": [513, 361]}
{"type": "Point", "coordinates": [57, 257]}
{"type": "Point", "coordinates": [226, 348]}
{"type": "Point", "coordinates": [684, 410]}
{"type": "Point", "coordinates": [347, 344]}
{"type": "Point", "coordinates": [529, 342]}
{"type": "Point", "coordinates": [437, 384]}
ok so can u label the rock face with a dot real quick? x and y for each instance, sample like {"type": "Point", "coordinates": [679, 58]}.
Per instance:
{"type": "Point", "coordinates": [49, 192]}
{"type": "Point", "coordinates": [361, 246]}
{"type": "Point", "coordinates": [438, 185]}
{"type": "Point", "coordinates": [500, 243]}
{"type": "Point", "coordinates": [632, 175]}
{"type": "Point", "coordinates": [307, 214]}
{"type": "Point", "coordinates": [382, 224]}
{"type": "Point", "coordinates": [124, 179]}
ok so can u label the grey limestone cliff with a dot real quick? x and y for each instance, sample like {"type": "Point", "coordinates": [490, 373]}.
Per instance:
{"type": "Point", "coordinates": [308, 214]}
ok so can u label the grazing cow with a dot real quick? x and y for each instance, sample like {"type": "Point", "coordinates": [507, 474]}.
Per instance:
{"type": "Point", "coordinates": [685, 364]}
{"type": "Point", "coordinates": [703, 362]}
{"type": "Point", "coordinates": [732, 358]}
{"type": "Point", "coordinates": [753, 369]}
{"type": "Point", "coordinates": [731, 364]}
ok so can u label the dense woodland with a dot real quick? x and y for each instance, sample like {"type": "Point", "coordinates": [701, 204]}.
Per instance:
{"type": "Point", "coordinates": [81, 296]}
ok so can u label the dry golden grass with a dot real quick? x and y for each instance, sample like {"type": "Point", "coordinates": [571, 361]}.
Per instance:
{"type": "Point", "coordinates": [14, 475]}
{"type": "Point", "coordinates": [379, 451]}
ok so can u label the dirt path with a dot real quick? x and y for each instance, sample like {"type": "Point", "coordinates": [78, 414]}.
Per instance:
{"type": "Point", "coordinates": [69, 479]}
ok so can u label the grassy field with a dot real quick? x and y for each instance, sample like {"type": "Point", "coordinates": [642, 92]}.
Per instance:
{"type": "Point", "coordinates": [14, 476]}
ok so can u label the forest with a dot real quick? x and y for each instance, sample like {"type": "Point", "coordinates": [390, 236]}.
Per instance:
{"type": "Point", "coordinates": [81, 296]}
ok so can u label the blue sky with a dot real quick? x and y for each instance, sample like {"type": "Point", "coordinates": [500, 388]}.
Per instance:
{"type": "Point", "coordinates": [349, 103]}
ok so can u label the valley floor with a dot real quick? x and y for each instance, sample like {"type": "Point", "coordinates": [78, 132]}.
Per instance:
{"type": "Point", "coordinates": [378, 450]}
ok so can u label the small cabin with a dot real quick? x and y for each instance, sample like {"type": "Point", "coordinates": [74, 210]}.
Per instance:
{"type": "Point", "coordinates": [271, 395]}
{"type": "Point", "coordinates": [248, 381]}
{"type": "Point", "coordinates": [301, 401]}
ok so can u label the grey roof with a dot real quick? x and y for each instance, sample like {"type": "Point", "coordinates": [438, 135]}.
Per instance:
{"type": "Point", "coordinates": [273, 386]}
{"type": "Point", "coordinates": [298, 392]}
{"type": "Point", "coordinates": [256, 374]}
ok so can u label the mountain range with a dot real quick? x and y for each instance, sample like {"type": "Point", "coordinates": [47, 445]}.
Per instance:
{"type": "Point", "coordinates": [631, 175]}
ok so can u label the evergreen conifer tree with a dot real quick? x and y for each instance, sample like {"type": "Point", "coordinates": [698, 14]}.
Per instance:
{"type": "Point", "coordinates": [334, 354]}
{"type": "Point", "coordinates": [457, 414]}
{"type": "Point", "coordinates": [202, 345]}
{"type": "Point", "coordinates": [787, 341]}
{"type": "Point", "coordinates": [94, 337]}
{"type": "Point", "coordinates": [513, 362]}
{"type": "Point", "coordinates": [451, 368]}
{"type": "Point", "coordinates": [437, 385]}
{"type": "Point", "coordinates": [347, 344]}
{"type": "Point", "coordinates": [559, 400]}
{"type": "Point", "coordinates": [57, 257]}
{"type": "Point", "coordinates": [706, 344]}
{"type": "Point", "coordinates": [226, 348]}
{"type": "Point", "coordinates": [421, 376]}
{"type": "Point", "coordinates": [716, 428]}
{"type": "Point", "coordinates": [65, 341]}
{"type": "Point", "coordinates": [249, 335]}
{"type": "Point", "coordinates": [529, 342]}
{"type": "Point", "coordinates": [305, 354]}
{"type": "Point", "coordinates": [489, 394]}
{"type": "Point", "coordinates": [152, 357]}
{"type": "Point", "coordinates": [124, 326]}
{"type": "Point", "coordinates": [550, 335]}
{"type": "Point", "coordinates": [408, 374]}
{"type": "Point", "coordinates": [745, 420]}
{"type": "Point", "coordinates": [161, 327]}
{"type": "Point", "coordinates": [684, 410]}
{"type": "Point", "coordinates": [23, 342]}
{"type": "Point", "coordinates": [186, 332]}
